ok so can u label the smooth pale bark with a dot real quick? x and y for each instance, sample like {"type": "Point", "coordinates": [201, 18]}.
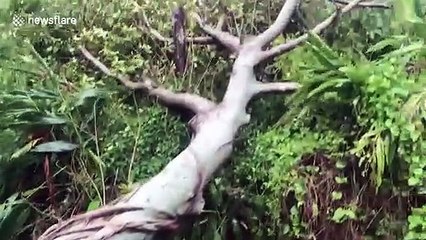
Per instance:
{"type": "Point", "coordinates": [176, 191]}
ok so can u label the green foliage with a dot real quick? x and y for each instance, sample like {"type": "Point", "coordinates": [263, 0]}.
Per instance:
{"type": "Point", "coordinates": [417, 224]}
{"type": "Point", "coordinates": [342, 214]}
{"type": "Point", "coordinates": [329, 157]}
{"type": "Point", "coordinates": [14, 214]}
{"type": "Point", "coordinates": [385, 108]}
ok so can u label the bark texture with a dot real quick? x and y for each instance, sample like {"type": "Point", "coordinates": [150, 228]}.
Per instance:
{"type": "Point", "coordinates": [159, 204]}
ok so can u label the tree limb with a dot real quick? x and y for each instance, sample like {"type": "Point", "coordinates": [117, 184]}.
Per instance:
{"type": "Point", "coordinates": [144, 26]}
{"type": "Point", "coordinates": [192, 102]}
{"type": "Point", "coordinates": [290, 45]}
{"type": "Point", "coordinates": [157, 35]}
{"type": "Point", "coordinates": [278, 26]}
{"type": "Point", "coordinates": [226, 39]}
{"type": "Point", "coordinates": [275, 87]}
{"type": "Point", "coordinates": [366, 4]}
{"type": "Point", "coordinates": [193, 40]}
{"type": "Point", "coordinates": [179, 36]}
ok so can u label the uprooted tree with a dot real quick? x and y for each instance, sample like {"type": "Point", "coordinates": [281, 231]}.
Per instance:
{"type": "Point", "coordinates": [159, 205]}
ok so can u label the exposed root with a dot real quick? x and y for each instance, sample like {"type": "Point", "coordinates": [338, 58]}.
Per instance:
{"type": "Point", "coordinates": [103, 218]}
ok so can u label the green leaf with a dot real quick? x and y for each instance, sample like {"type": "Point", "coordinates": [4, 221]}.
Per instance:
{"type": "Point", "coordinates": [13, 215]}
{"type": "Point", "coordinates": [326, 51]}
{"type": "Point", "coordinates": [393, 41]}
{"type": "Point", "coordinates": [330, 84]}
{"type": "Point", "coordinates": [36, 94]}
{"type": "Point", "coordinates": [413, 181]}
{"type": "Point", "coordinates": [380, 156]}
{"type": "Point", "coordinates": [25, 149]}
{"type": "Point", "coordinates": [52, 120]}
{"type": "Point", "coordinates": [55, 147]}
{"type": "Point", "coordinates": [93, 205]}
{"type": "Point", "coordinates": [325, 55]}
{"type": "Point", "coordinates": [87, 94]}
{"type": "Point", "coordinates": [418, 46]}
{"type": "Point", "coordinates": [329, 64]}
{"type": "Point", "coordinates": [358, 73]}
{"type": "Point", "coordinates": [341, 180]}
{"type": "Point", "coordinates": [336, 195]}
{"type": "Point", "coordinates": [341, 215]}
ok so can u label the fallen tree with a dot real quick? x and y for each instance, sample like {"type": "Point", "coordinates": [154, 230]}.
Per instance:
{"type": "Point", "coordinates": [159, 205]}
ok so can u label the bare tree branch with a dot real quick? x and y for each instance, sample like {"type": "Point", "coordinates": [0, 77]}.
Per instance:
{"type": "Point", "coordinates": [179, 36]}
{"type": "Point", "coordinates": [193, 102]}
{"type": "Point", "coordinates": [277, 87]}
{"type": "Point", "coordinates": [226, 39]}
{"type": "Point", "coordinates": [144, 25]}
{"type": "Point", "coordinates": [366, 4]}
{"type": "Point", "coordinates": [207, 39]}
{"type": "Point", "coordinates": [278, 26]}
{"type": "Point", "coordinates": [194, 40]}
{"type": "Point", "coordinates": [290, 45]}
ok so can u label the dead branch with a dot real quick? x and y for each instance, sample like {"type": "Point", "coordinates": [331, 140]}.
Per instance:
{"type": "Point", "coordinates": [179, 36]}
{"type": "Point", "coordinates": [275, 87]}
{"type": "Point", "coordinates": [225, 38]}
{"type": "Point", "coordinates": [290, 45]}
{"type": "Point", "coordinates": [278, 26]}
{"type": "Point", "coordinates": [177, 190]}
{"type": "Point", "coordinates": [191, 40]}
{"type": "Point", "coordinates": [192, 102]}
{"type": "Point", "coordinates": [366, 4]}
{"type": "Point", "coordinates": [145, 26]}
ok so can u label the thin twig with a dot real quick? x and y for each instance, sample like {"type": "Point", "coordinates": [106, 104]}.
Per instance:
{"type": "Point", "coordinates": [192, 102]}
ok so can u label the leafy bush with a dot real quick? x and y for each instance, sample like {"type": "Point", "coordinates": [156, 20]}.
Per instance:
{"type": "Point", "coordinates": [342, 158]}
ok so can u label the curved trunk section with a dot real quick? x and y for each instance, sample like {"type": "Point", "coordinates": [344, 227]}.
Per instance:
{"type": "Point", "coordinates": [158, 205]}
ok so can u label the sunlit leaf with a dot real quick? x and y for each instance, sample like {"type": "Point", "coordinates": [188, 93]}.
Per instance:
{"type": "Point", "coordinates": [328, 86]}
{"type": "Point", "coordinates": [87, 94]}
{"type": "Point", "coordinates": [52, 120]}
{"type": "Point", "coordinates": [25, 149]}
{"type": "Point", "coordinates": [392, 41]}
{"type": "Point", "coordinates": [93, 205]}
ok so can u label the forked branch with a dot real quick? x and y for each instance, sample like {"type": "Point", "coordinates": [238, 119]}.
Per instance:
{"type": "Point", "coordinates": [290, 45]}
{"type": "Point", "coordinates": [192, 102]}
{"type": "Point", "coordinates": [145, 26]}
{"type": "Point", "coordinates": [215, 34]}
{"type": "Point", "coordinates": [279, 25]}
{"type": "Point", "coordinates": [366, 4]}
{"type": "Point", "coordinates": [276, 87]}
{"type": "Point", "coordinates": [228, 40]}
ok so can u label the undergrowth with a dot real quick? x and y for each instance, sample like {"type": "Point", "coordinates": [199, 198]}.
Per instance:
{"type": "Point", "coordinates": [343, 158]}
